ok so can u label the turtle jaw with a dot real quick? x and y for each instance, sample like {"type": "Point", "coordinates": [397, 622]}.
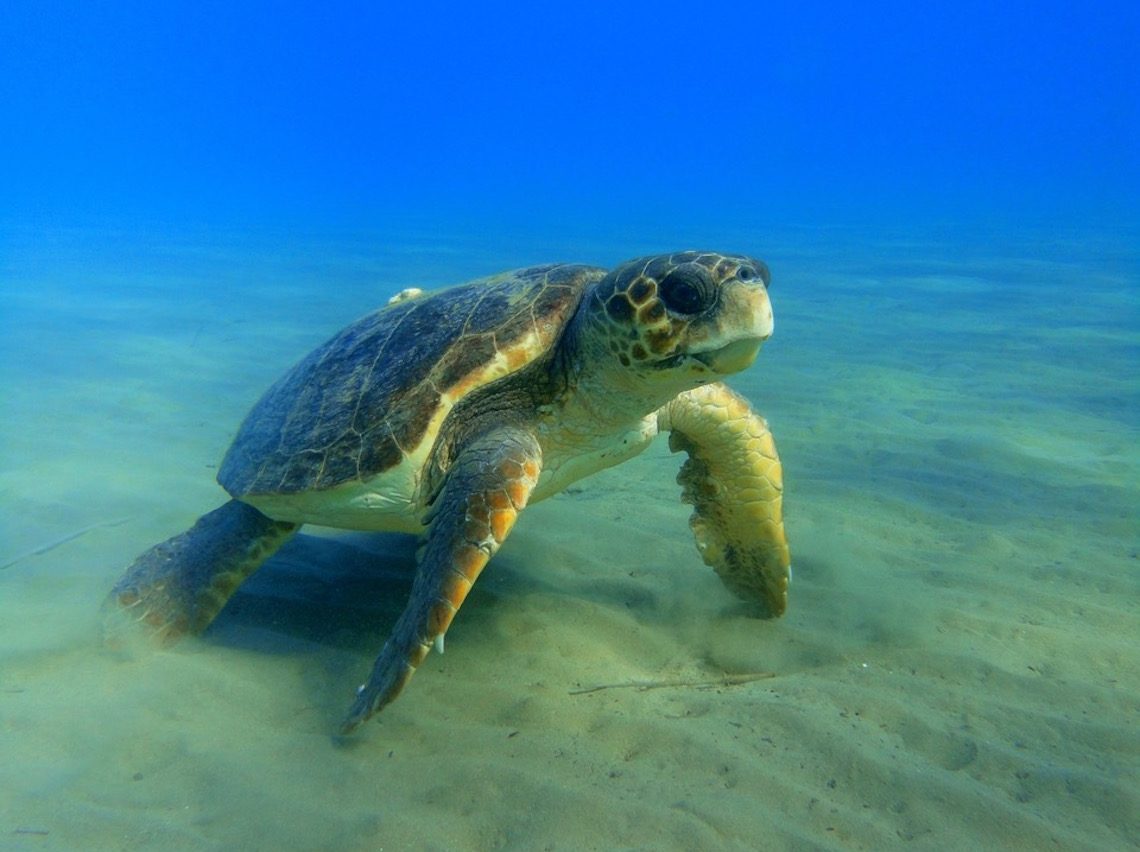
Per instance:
{"type": "Point", "coordinates": [732, 357]}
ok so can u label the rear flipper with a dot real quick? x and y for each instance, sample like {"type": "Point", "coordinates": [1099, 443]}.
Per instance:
{"type": "Point", "coordinates": [180, 585]}
{"type": "Point", "coordinates": [734, 482]}
{"type": "Point", "coordinates": [488, 485]}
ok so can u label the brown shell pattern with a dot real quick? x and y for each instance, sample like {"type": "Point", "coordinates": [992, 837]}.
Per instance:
{"type": "Point", "coordinates": [354, 406]}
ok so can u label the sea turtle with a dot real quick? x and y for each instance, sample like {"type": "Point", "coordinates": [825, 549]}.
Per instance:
{"type": "Point", "coordinates": [444, 414]}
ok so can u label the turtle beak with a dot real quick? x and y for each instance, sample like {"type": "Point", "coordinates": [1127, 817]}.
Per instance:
{"type": "Point", "coordinates": [750, 301]}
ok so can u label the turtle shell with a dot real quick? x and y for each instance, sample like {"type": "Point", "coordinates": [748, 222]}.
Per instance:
{"type": "Point", "coordinates": [372, 396]}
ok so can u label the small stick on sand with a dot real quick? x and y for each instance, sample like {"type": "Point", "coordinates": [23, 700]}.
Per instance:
{"type": "Point", "coordinates": [52, 545]}
{"type": "Point", "coordinates": [642, 685]}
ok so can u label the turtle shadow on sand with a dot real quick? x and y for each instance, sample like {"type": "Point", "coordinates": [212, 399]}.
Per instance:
{"type": "Point", "coordinates": [343, 591]}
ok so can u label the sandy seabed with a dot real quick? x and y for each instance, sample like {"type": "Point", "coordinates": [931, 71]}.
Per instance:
{"type": "Point", "coordinates": [959, 666]}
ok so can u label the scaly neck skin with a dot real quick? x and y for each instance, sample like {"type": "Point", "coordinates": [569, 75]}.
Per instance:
{"type": "Point", "coordinates": [599, 395]}
{"type": "Point", "coordinates": [594, 414]}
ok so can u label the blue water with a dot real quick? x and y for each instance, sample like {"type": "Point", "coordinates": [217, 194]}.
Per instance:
{"type": "Point", "coordinates": [949, 199]}
{"type": "Point", "coordinates": [605, 118]}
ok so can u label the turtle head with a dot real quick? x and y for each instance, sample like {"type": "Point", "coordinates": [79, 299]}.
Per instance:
{"type": "Point", "coordinates": [682, 319]}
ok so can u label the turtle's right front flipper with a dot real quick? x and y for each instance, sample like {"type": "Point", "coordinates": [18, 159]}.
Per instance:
{"type": "Point", "coordinates": [180, 585]}
{"type": "Point", "coordinates": [734, 481]}
{"type": "Point", "coordinates": [488, 485]}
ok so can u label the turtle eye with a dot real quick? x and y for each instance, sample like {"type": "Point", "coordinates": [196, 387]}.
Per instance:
{"type": "Point", "coordinates": [685, 292]}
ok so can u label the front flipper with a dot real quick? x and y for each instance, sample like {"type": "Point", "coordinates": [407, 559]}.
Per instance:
{"type": "Point", "coordinates": [488, 485]}
{"type": "Point", "coordinates": [734, 481]}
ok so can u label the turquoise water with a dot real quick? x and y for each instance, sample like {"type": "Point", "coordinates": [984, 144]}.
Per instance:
{"type": "Point", "coordinates": [958, 665]}
{"type": "Point", "coordinates": [947, 200]}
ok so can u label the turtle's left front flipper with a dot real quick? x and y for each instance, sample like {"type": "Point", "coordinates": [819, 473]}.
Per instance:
{"type": "Point", "coordinates": [734, 481]}
{"type": "Point", "coordinates": [487, 486]}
